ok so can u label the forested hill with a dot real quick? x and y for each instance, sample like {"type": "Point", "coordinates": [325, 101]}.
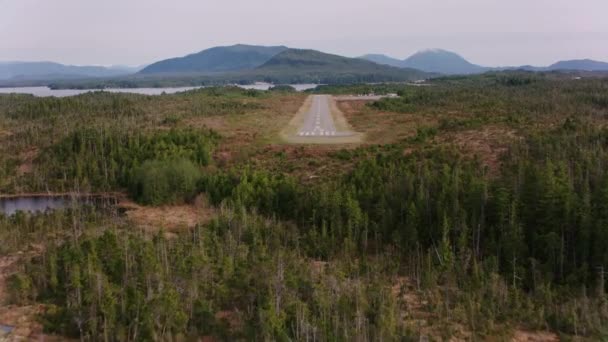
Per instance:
{"type": "Point", "coordinates": [442, 61]}
{"type": "Point", "coordinates": [52, 70]}
{"type": "Point", "coordinates": [328, 68]}
{"type": "Point", "coordinates": [313, 59]}
{"type": "Point", "coordinates": [382, 59]}
{"type": "Point", "coordinates": [579, 64]}
{"type": "Point", "coordinates": [292, 66]}
{"type": "Point", "coordinates": [432, 60]}
{"type": "Point", "coordinates": [217, 59]}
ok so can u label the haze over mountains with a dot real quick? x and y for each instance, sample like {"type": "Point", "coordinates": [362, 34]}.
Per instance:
{"type": "Point", "coordinates": [579, 64]}
{"type": "Point", "coordinates": [278, 63]}
{"type": "Point", "coordinates": [51, 70]}
{"type": "Point", "coordinates": [434, 60]}
{"type": "Point", "coordinates": [450, 63]}
{"type": "Point", "coordinates": [250, 63]}
{"type": "Point", "coordinates": [217, 59]}
{"type": "Point", "coordinates": [303, 66]}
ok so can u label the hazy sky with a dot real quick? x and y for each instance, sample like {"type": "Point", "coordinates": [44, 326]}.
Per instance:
{"type": "Point", "coordinates": [488, 32]}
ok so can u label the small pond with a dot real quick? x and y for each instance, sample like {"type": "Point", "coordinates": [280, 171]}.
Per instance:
{"type": "Point", "coordinates": [10, 205]}
{"type": "Point", "coordinates": [5, 330]}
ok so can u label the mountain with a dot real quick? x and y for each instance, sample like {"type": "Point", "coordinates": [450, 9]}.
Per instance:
{"type": "Point", "coordinates": [383, 59]}
{"type": "Point", "coordinates": [51, 70]}
{"type": "Point", "coordinates": [566, 65]}
{"type": "Point", "coordinates": [433, 60]}
{"type": "Point", "coordinates": [441, 61]}
{"type": "Point", "coordinates": [302, 66]}
{"type": "Point", "coordinates": [126, 68]}
{"type": "Point", "coordinates": [217, 59]}
{"type": "Point", "coordinates": [579, 64]}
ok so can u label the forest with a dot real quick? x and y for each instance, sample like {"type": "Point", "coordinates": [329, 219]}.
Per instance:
{"type": "Point", "coordinates": [484, 217]}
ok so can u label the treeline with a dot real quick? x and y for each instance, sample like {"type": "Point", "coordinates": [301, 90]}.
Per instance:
{"type": "Point", "coordinates": [541, 224]}
{"type": "Point", "coordinates": [99, 103]}
{"type": "Point", "coordinates": [551, 205]}
{"type": "Point", "coordinates": [156, 166]}
{"type": "Point", "coordinates": [505, 97]}
{"type": "Point", "coordinates": [542, 220]}
{"type": "Point", "coordinates": [359, 89]}
{"type": "Point", "coordinates": [527, 247]}
{"type": "Point", "coordinates": [124, 106]}
{"type": "Point", "coordinates": [24, 232]}
{"type": "Point", "coordinates": [37, 125]}
{"type": "Point", "coordinates": [241, 277]}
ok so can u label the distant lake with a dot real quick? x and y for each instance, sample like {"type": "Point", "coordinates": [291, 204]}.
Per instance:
{"type": "Point", "coordinates": [46, 91]}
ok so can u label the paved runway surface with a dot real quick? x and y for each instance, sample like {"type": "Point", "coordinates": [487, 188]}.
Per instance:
{"type": "Point", "coordinates": [319, 122]}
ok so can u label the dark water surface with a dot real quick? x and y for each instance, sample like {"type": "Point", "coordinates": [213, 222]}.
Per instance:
{"type": "Point", "coordinates": [37, 204]}
{"type": "Point", "coordinates": [46, 91]}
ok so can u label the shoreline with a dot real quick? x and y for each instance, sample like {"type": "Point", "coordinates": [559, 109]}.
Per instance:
{"type": "Point", "coordinates": [117, 195]}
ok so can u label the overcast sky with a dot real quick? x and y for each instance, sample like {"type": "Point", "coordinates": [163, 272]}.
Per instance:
{"type": "Point", "coordinates": [134, 32]}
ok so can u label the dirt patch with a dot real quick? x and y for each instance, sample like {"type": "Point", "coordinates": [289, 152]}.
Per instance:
{"type": "Point", "coordinates": [413, 310]}
{"type": "Point", "coordinates": [404, 289]}
{"type": "Point", "coordinates": [232, 318]}
{"type": "Point", "coordinates": [171, 218]}
{"type": "Point", "coordinates": [416, 314]}
{"type": "Point", "coordinates": [23, 321]}
{"type": "Point", "coordinates": [488, 143]}
{"type": "Point", "coordinates": [318, 267]}
{"type": "Point", "coordinates": [27, 160]}
{"type": "Point", "coordinates": [8, 265]}
{"type": "Point", "coordinates": [307, 163]}
{"type": "Point", "coordinates": [252, 127]}
{"type": "Point", "coordinates": [534, 336]}
{"type": "Point", "coordinates": [382, 127]}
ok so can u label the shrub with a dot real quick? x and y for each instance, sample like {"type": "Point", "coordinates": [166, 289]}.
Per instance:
{"type": "Point", "coordinates": [283, 88]}
{"type": "Point", "coordinates": [20, 288]}
{"type": "Point", "coordinates": [165, 181]}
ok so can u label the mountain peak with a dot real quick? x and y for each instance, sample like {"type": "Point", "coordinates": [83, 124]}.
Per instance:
{"type": "Point", "coordinates": [442, 61]}
{"type": "Point", "coordinates": [323, 67]}
{"type": "Point", "coordinates": [52, 70]}
{"type": "Point", "coordinates": [435, 50]}
{"type": "Point", "coordinates": [217, 59]}
{"type": "Point", "coordinates": [580, 64]}
{"type": "Point", "coordinates": [430, 60]}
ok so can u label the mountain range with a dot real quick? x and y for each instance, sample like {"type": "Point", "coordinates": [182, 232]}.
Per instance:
{"type": "Point", "coordinates": [574, 64]}
{"type": "Point", "coordinates": [450, 63]}
{"type": "Point", "coordinates": [249, 63]}
{"type": "Point", "coordinates": [51, 70]}
{"type": "Point", "coordinates": [311, 66]}
{"type": "Point", "coordinates": [434, 60]}
{"type": "Point", "coordinates": [245, 64]}
{"type": "Point", "coordinates": [217, 59]}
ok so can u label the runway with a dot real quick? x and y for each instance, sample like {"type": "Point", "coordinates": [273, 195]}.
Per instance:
{"type": "Point", "coordinates": [319, 121]}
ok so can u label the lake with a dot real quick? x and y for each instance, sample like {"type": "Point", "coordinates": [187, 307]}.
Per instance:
{"type": "Point", "coordinates": [46, 91]}
{"type": "Point", "coordinates": [41, 203]}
